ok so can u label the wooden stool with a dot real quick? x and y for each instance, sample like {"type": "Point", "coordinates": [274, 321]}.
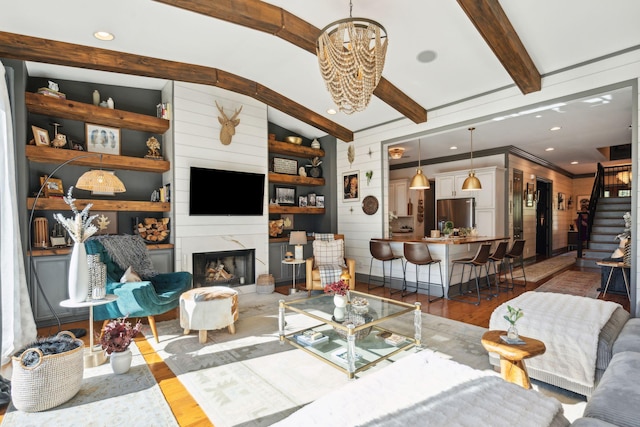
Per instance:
{"type": "Point", "coordinates": [512, 356]}
{"type": "Point", "coordinates": [208, 308]}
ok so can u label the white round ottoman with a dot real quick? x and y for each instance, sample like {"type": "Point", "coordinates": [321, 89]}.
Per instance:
{"type": "Point", "coordinates": [207, 309]}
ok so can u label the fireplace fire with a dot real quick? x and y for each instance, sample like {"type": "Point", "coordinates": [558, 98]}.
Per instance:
{"type": "Point", "coordinates": [224, 268]}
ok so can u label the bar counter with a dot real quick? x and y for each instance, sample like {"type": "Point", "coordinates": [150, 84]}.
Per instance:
{"type": "Point", "coordinates": [444, 249]}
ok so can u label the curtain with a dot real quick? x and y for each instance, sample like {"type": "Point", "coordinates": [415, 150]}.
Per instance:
{"type": "Point", "coordinates": [18, 324]}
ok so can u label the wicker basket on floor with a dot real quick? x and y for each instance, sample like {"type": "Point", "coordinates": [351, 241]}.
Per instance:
{"type": "Point", "coordinates": [54, 379]}
{"type": "Point", "coordinates": [265, 284]}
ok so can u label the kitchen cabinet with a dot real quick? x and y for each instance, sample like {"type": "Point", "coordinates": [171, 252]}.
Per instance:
{"type": "Point", "coordinates": [398, 196]}
{"type": "Point", "coordinates": [489, 205]}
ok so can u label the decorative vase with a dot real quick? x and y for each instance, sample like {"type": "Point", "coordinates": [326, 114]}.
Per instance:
{"type": "Point", "coordinates": [338, 314]}
{"type": "Point", "coordinates": [315, 172]}
{"type": "Point", "coordinates": [340, 301]}
{"type": "Point", "coordinates": [96, 98]}
{"type": "Point", "coordinates": [512, 333]}
{"type": "Point", "coordinates": [110, 103]}
{"type": "Point", "coordinates": [120, 361]}
{"type": "Point", "coordinates": [78, 283]}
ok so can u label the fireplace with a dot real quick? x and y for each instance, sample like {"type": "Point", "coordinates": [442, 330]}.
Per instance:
{"type": "Point", "coordinates": [224, 268]}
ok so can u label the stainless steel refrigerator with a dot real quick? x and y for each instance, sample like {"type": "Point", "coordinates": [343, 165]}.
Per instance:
{"type": "Point", "coordinates": [461, 211]}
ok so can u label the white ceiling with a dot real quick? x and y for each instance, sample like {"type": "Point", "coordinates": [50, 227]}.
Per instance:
{"type": "Point", "coordinates": [557, 35]}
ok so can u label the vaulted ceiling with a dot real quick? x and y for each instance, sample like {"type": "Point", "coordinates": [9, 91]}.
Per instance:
{"type": "Point", "coordinates": [266, 49]}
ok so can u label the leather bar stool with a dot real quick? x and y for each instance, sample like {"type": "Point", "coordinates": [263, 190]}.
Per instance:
{"type": "Point", "coordinates": [498, 257]}
{"type": "Point", "coordinates": [476, 263]}
{"type": "Point", "coordinates": [381, 251]}
{"type": "Point", "coordinates": [514, 259]}
{"type": "Point", "coordinates": [419, 255]}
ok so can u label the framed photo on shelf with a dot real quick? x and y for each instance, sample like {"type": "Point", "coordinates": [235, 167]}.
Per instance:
{"type": "Point", "coordinates": [287, 221]}
{"type": "Point", "coordinates": [311, 199]}
{"type": "Point", "coordinates": [53, 188]}
{"type": "Point", "coordinates": [320, 201]}
{"type": "Point", "coordinates": [351, 182]}
{"type": "Point", "coordinates": [40, 136]}
{"type": "Point", "coordinates": [102, 139]}
{"type": "Point", "coordinates": [285, 196]}
{"type": "Point", "coordinates": [302, 201]}
{"type": "Point", "coordinates": [107, 222]}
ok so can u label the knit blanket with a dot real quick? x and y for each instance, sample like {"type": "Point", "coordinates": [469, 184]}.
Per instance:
{"type": "Point", "coordinates": [127, 250]}
{"type": "Point", "coordinates": [427, 389]}
{"type": "Point", "coordinates": [329, 274]}
{"type": "Point", "coordinates": [569, 327]}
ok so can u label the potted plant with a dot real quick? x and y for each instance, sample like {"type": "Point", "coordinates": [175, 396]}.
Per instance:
{"type": "Point", "coordinates": [115, 339]}
{"type": "Point", "coordinates": [512, 317]}
{"type": "Point", "coordinates": [339, 291]}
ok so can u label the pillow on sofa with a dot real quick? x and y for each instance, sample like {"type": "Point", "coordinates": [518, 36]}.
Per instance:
{"type": "Point", "coordinates": [329, 252]}
{"type": "Point", "coordinates": [130, 276]}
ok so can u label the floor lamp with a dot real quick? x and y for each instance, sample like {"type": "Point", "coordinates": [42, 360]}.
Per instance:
{"type": "Point", "coordinates": [92, 180]}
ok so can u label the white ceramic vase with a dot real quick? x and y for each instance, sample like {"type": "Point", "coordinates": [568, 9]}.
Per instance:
{"type": "Point", "coordinates": [96, 98]}
{"type": "Point", "coordinates": [340, 301]}
{"type": "Point", "coordinates": [120, 361]}
{"type": "Point", "coordinates": [78, 283]}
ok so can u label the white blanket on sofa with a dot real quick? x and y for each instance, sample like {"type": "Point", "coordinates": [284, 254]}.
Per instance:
{"type": "Point", "coordinates": [438, 392]}
{"type": "Point", "coordinates": [568, 325]}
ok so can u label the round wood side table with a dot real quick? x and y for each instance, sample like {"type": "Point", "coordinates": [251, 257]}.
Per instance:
{"type": "Point", "coordinates": [512, 356]}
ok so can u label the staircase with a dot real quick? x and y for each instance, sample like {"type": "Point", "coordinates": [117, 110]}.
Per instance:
{"type": "Point", "coordinates": [607, 224]}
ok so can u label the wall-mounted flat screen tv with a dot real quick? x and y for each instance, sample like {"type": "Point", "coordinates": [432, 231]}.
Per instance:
{"type": "Point", "coordinates": [223, 192]}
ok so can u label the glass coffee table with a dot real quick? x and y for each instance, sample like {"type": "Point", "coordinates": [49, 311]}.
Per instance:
{"type": "Point", "coordinates": [351, 339]}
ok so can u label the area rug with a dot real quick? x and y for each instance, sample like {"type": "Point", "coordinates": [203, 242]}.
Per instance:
{"type": "Point", "coordinates": [581, 283]}
{"type": "Point", "coordinates": [105, 399]}
{"type": "Point", "coordinates": [547, 268]}
{"type": "Point", "coordinates": [251, 379]}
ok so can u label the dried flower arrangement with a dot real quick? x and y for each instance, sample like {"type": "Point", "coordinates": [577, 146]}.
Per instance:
{"type": "Point", "coordinates": [337, 288]}
{"type": "Point", "coordinates": [80, 227]}
{"type": "Point", "coordinates": [118, 334]}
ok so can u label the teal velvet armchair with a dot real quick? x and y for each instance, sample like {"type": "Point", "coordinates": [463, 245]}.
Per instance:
{"type": "Point", "coordinates": [155, 294]}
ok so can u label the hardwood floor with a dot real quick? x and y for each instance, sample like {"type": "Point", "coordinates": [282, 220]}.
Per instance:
{"type": "Point", "coordinates": [188, 412]}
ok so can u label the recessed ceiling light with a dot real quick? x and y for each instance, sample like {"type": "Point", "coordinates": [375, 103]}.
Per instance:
{"type": "Point", "coordinates": [555, 128]}
{"type": "Point", "coordinates": [104, 35]}
{"type": "Point", "coordinates": [426, 56]}
{"type": "Point", "coordinates": [453, 147]}
{"type": "Point", "coordinates": [549, 149]}
{"type": "Point", "coordinates": [574, 163]}
{"type": "Point", "coordinates": [331, 111]}
{"type": "Point", "coordinates": [538, 116]}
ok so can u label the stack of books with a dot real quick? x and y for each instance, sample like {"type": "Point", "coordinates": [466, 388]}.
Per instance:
{"type": "Point", "coordinates": [395, 339]}
{"type": "Point", "coordinates": [52, 93]}
{"type": "Point", "coordinates": [311, 337]}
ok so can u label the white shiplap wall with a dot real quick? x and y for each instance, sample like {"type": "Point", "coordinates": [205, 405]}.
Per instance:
{"type": "Point", "coordinates": [196, 135]}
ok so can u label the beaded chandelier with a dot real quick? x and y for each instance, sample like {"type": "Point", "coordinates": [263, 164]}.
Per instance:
{"type": "Point", "coordinates": [351, 55]}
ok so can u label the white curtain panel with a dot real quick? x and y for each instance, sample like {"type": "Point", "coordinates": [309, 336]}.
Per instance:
{"type": "Point", "coordinates": [18, 324]}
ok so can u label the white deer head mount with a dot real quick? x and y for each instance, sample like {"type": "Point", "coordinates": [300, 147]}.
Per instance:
{"type": "Point", "coordinates": [228, 128]}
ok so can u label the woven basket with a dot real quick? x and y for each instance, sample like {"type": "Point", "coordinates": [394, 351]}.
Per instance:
{"type": "Point", "coordinates": [357, 320]}
{"type": "Point", "coordinates": [265, 284]}
{"type": "Point", "coordinates": [54, 380]}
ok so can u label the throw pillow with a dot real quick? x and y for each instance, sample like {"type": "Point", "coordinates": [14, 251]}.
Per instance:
{"type": "Point", "coordinates": [329, 252]}
{"type": "Point", "coordinates": [130, 276]}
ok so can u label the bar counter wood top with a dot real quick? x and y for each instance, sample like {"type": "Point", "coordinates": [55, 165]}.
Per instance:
{"type": "Point", "coordinates": [444, 240]}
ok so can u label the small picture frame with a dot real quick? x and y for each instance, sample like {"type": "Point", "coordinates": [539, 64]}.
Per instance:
{"type": "Point", "coordinates": [287, 221]}
{"type": "Point", "coordinates": [102, 139]}
{"type": "Point", "coordinates": [351, 182]}
{"type": "Point", "coordinates": [311, 199]}
{"type": "Point", "coordinates": [320, 201]}
{"type": "Point", "coordinates": [40, 136]}
{"type": "Point", "coordinates": [53, 188]}
{"type": "Point", "coordinates": [285, 196]}
{"type": "Point", "coordinates": [302, 201]}
{"type": "Point", "coordinates": [561, 200]}
{"type": "Point", "coordinates": [107, 222]}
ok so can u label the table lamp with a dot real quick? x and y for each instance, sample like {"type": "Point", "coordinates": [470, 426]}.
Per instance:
{"type": "Point", "coordinates": [298, 238]}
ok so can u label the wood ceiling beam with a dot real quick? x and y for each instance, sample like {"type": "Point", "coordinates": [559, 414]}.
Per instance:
{"type": "Point", "coordinates": [490, 20]}
{"type": "Point", "coordinates": [265, 17]}
{"type": "Point", "coordinates": [27, 48]}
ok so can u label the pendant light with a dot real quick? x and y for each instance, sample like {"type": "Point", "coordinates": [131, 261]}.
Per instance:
{"type": "Point", "coordinates": [419, 180]}
{"type": "Point", "coordinates": [471, 183]}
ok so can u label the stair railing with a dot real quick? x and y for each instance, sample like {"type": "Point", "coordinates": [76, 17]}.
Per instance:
{"type": "Point", "coordinates": [596, 191]}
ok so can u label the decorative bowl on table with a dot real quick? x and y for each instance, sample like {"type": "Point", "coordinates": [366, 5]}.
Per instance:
{"type": "Point", "coordinates": [293, 140]}
{"type": "Point", "coordinates": [356, 320]}
{"type": "Point", "coordinates": [360, 305]}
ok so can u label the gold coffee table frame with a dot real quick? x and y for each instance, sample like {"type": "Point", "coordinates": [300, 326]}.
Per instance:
{"type": "Point", "coordinates": [372, 349]}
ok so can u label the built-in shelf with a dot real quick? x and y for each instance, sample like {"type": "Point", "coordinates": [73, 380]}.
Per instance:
{"type": "Point", "coordinates": [58, 204]}
{"type": "Point", "coordinates": [288, 149]}
{"type": "Point", "coordinates": [280, 178]}
{"type": "Point", "coordinates": [65, 250]}
{"type": "Point", "coordinates": [73, 110]}
{"type": "Point", "coordinates": [275, 209]}
{"type": "Point", "coordinates": [59, 155]}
